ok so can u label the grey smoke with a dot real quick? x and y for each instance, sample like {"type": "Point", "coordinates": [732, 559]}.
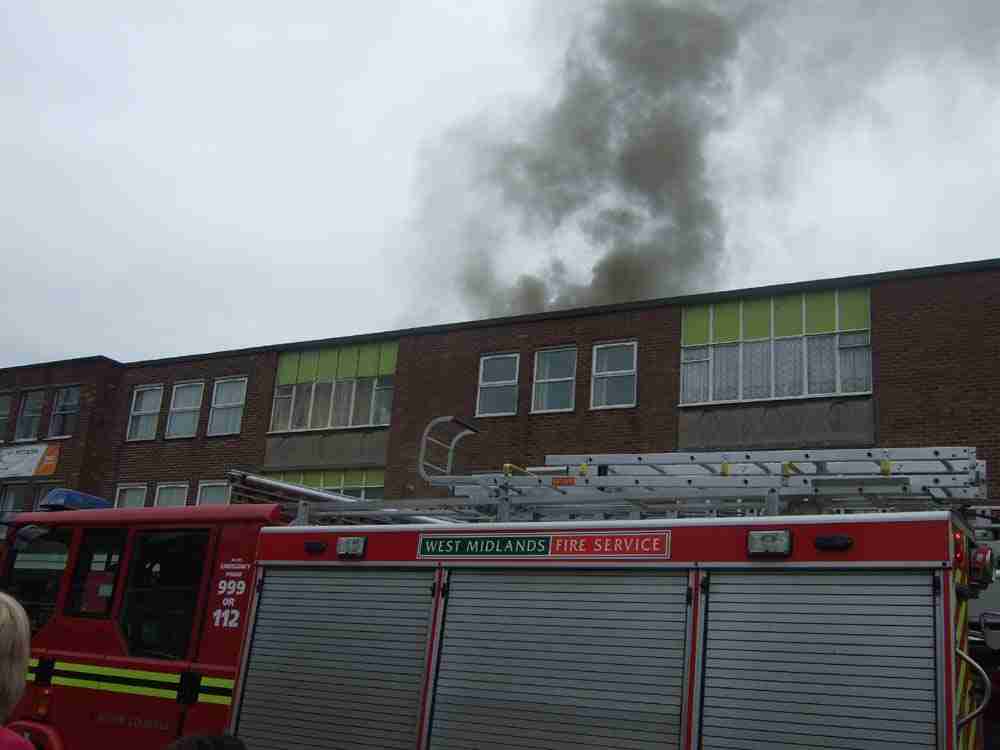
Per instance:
{"type": "Point", "coordinates": [609, 182]}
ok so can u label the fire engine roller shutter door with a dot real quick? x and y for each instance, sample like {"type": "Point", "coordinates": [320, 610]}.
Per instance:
{"type": "Point", "coordinates": [801, 660]}
{"type": "Point", "coordinates": [337, 659]}
{"type": "Point", "coordinates": [546, 660]}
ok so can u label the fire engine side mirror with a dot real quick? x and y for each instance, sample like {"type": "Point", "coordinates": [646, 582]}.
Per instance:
{"type": "Point", "coordinates": [989, 624]}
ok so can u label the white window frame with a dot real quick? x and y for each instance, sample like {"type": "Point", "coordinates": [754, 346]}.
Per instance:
{"type": "Point", "coordinates": [13, 400]}
{"type": "Point", "coordinates": [536, 381]}
{"type": "Point", "coordinates": [20, 412]}
{"type": "Point", "coordinates": [338, 383]}
{"type": "Point", "coordinates": [214, 483]}
{"type": "Point", "coordinates": [132, 412]}
{"type": "Point", "coordinates": [131, 486]}
{"type": "Point", "coordinates": [499, 383]}
{"type": "Point", "coordinates": [804, 337]}
{"type": "Point", "coordinates": [164, 485]}
{"type": "Point", "coordinates": [173, 410]}
{"type": "Point", "coordinates": [594, 375]}
{"type": "Point", "coordinates": [242, 404]}
{"type": "Point", "coordinates": [57, 411]}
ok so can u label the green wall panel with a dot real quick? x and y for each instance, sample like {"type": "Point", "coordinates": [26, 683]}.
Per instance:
{"type": "Point", "coordinates": [821, 312]}
{"type": "Point", "coordinates": [726, 322]}
{"type": "Point", "coordinates": [788, 315]}
{"type": "Point", "coordinates": [312, 478]}
{"type": "Point", "coordinates": [388, 352]}
{"type": "Point", "coordinates": [374, 477]}
{"type": "Point", "coordinates": [307, 367]}
{"type": "Point", "coordinates": [695, 326]}
{"type": "Point", "coordinates": [354, 478]}
{"type": "Point", "coordinates": [327, 367]}
{"type": "Point", "coordinates": [288, 368]}
{"type": "Point", "coordinates": [347, 366]}
{"type": "Point", "coordinates": [855, 309]}
{"type": "Point", "coordinates": [367, 360]}
{"type": "Point", "coordinates": [757, 318]}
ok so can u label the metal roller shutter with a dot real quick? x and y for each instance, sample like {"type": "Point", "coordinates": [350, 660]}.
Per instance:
{"type": "Point", "coordinates": [561, 660]}
{"type": "Point", "coordinates": [337, 659]}
{"type": "Point", "coordinates": [820, 660]}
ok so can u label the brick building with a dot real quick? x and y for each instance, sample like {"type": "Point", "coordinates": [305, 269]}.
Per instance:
{"type": "Point", "coordinates": [903, 358]}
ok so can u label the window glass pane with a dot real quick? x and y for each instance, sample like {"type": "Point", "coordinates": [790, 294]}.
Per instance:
{"type": "Point", "coordinates": [37, 573]}
{"type": "Point", "coordinates": [855, 366]}
{"type": "Point", "coordinates": [182, 424]}
{"type": "Point", "coordinates": [302, 402]}
{"type": "Point", "coordinates": [162, 593]}
{"type": "Point", "coordinates": [383, 403]}
{"type": "Point", "coordinates": [142, 427]}
{"type": "Point", "coordinates": [131, 497]}
{"type": "Point", "coordinates": [29, 419]}
{"type": "Point", "coordinates": [17, 497]}
{"type": "Point", "coordinates": [281, 411]}
{"type": "Point", "coordinates": [499, 369]}
{"type": "Point", "coordinates": [555, 395]}
{"type": "Point", "coordinates": [213, 494]}
{"type": "Point", "coordinates": [93, 587]}
{"type": "Point", "coordinates": [342, 403]}
{"type": "Point", "coordinates": [68, 398]}
{"type": "Point", "coordinates": [615, 358]}
{"type": "Point", "coordinates": [229, 392]}
{"type": "Point", "coordinates": [363, 401]}
{"type": "Point", "coordinates": [171, 496]}
{"type": "Point", "coordinates": [822, 364]}
{"type": "Point", "coordinates": [498, 399]}
{"type": "Point", "coordinates": [694, 382]}
{"type": "Point", "coordinates": [788, 367]}
{"type": "Point", "coordinates": [726, 372]}
{"type": "Point", "coordinates": [353, 491]}
{"type": "Point", "coordinates": [187, 396]}
{"type": "Point", "coordinates": [757, 369]}
{"type": "Point", "coordinates": [64, 424]}
{"type": "Point", "coordinates": [225, 420]}
{"type": "Point", "coordinates": [374, 493]}
{"type": "Point", "coordinates": [322, 393]}
{"type": "Point", "coordinates": [147, 400]}
{"type": "Point", "coordinates": [41, 491]}
{"type": "Point", "coordinates": [556, 364]}
{"type": "Point", "coordinates": [5, 403]}
{"type": "Point", "coordinates": [617, 390]}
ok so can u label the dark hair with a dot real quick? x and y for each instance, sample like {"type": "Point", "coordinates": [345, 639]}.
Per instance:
{"type": "Point", "coordinates": [215, 742]}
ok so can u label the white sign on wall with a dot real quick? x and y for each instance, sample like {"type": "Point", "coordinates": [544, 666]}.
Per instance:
{"type": "Point", "coordinates": [35, 460]}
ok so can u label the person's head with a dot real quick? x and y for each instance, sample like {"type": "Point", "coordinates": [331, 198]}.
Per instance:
{"type": "Point", "coordinates": [220, 742]}
{"type": "Point", "coordinates": [15, 648]}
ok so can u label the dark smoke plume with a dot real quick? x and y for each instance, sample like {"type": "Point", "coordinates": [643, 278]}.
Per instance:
{"type": "Point", "coordinates": [609, 184]}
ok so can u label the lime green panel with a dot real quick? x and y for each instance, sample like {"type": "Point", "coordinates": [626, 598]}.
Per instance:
{"type": "Point", "coordinates": [388, 352]}
{"type": "Point", "coordinates": [333, 479]}
{"type": "Point", "coordinates": [374, 477]}
{"type": "Point", "coordinates": [726, 322]}
{"type": "Point", "coordinates": [347, 367]}
{"type": "Point", "coordinates": [312, 478]}
{"type": "Point", "coordinates": [788, 315]}
{"type": "Point", "coordinates": [757, 318]}
{"type": "Point", "coordinates": [855, 310]}
{"type": "Point", "coordinates": [295, 477]}
{"type": "Point", "coordinates": [288, 368]}
{"type": "Point", "coordinates": [695, 327]}
{"type": "Point", "coordinates": [307, 367]}
{"type": "Point", "coordinates": [326, 369]}
{"type": "Point", "coordinates": [368, 360]}
{"type": "Point", "coordinates": [821, 312]}
{"type": "Point", "coordinates": [354, 478]}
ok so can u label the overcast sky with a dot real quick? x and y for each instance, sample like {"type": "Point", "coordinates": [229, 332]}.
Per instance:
{"type": "Point", "coordinates": [209, 175]}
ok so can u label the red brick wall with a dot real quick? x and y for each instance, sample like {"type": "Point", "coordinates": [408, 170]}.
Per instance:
{"type": "Point", "coordinates": [83, 457]}
{"type": "Point", "coordinates": [201, 457]}
{"type": "Point", "coordinates": [936, 352]}
{"type": "Point", "coordinates": [437, 374]}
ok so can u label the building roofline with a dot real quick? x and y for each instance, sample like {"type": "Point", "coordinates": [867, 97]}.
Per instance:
{"type": "Point", "coordinates": [838, 282]}
{"type": "Point", "coordinates": [90, 359]}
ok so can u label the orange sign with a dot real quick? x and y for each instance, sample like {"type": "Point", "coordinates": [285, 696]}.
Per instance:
{"type": "Point", "coordinates": [50, 460]}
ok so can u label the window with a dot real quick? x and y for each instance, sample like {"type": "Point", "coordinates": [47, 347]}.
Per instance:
{"type": "Point", "coordinates": [497, 385]}
{"type": "Point", "coordinates": [29, 419]}
{"type": "Point", "coordinates": [213, 493]}
{"type": "Point", "coordinates": [41, 490]}
{"type": "Point", "coordinates": [40, 556]}
{"type": "Point", "coordinates": [65, 412]}
{"type": "Point", "coordinates": [792, 346]}
{"type": "Point", "coordinates": [93, 588]}
{"type": "Point", "coordinates": [227, 406]}
{"type": "Point", "coordinates": [185, 408]}
{"type": "Point", "coordinates": [368, 484]}
{"type": "Point", "coordinates": [6, 403]}
{"type": "Point", "coordinates": [555, 380]}
{"type": "Point", "coordinates": [145, 413]}
{"type": "Point", "coordinates": [161, 596]}
{"type": "Point", "coordinates": [170, 495]}
{"type": "Point", "coordinates": [17, 498]}
{"type": "Point", "coordinates": [334, 388]}
{"type": "Point", "coordinates": [613, 385]}
{"type": "Point", "coordinates": [130, 496]}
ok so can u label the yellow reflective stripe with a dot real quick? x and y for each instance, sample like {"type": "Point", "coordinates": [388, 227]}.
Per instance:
{"type": "Point", "coordinates": [113, 688]}
{"type": "Point", "coordinates": [222, 700]}
{"type": "Point", "coordinates": [116, 672]}
{"type": "Point", "coordinates": [30, 677]}
{"type": "Point", "coordinates": [32, 662]}
{"type": "Point", "coordinates": [221, 682]}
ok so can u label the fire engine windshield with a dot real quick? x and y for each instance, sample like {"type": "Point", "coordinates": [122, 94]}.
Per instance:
{"type": "Point", "coordinates": [39, 559]}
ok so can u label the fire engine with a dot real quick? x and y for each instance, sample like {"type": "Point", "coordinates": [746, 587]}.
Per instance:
{"type": "Point", "coordinates": [761, 599]}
